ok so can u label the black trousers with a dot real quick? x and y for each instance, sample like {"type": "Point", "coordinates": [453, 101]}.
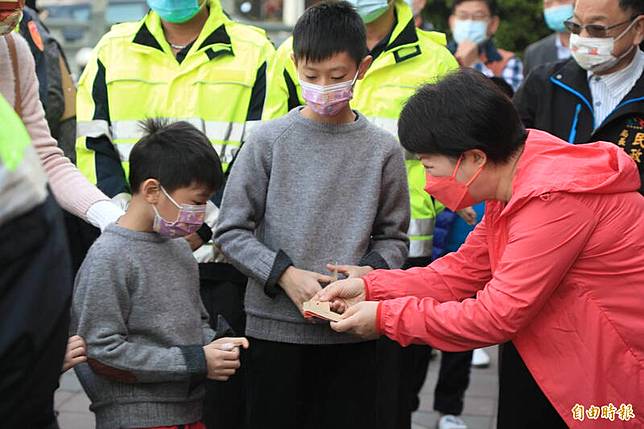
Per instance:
{"type": "Point", "coordinates": [222, 292]}
{"type": "Point", "coordinates": [80, 237]}
{"type": "Point", "coordinates": [35, 295]}
{"type": "Point", "coordinates": [402, 372]}
{"type": "Point", "coordinates": [292, 386]}
{"type": "Point", "coordinates": [522, 404]}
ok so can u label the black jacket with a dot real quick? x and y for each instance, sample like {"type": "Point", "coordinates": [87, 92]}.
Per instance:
{"type": "Point", "coordinates": [556, 98]}
{"type": "Point", "coordinates": [540, 52]}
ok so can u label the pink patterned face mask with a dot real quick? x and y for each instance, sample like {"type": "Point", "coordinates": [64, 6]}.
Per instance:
{"type": "Point", "coordinates": [328, 100]}
{"type": "Point", "coordinates": [189, 220]}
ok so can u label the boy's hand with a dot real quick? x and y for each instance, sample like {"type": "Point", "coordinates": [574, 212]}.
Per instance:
{"type": "Point", "coordinates": [194, 241]}
{"type": "Point", "coordinates": [350, 271]}
{"type": "Point", "coordinates": [468, 214]}
{"type": "Point", "coordinates": [302, 285]}
{"type": "Point", "coordinates": [222, 357]}
{"type": "Point", "coordinates": [76, 352]}
{"type": "Point", "coordinates": [343, 294]}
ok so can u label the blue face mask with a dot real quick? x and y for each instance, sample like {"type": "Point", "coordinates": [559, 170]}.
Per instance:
{"type": "Point", "coordinates": [556, 15]}
{"type": "Point", "coordinates": [370, 10]}
{"type": "Point", "coordinates": [175, 11]}
{"type": "Point", "coordinates": [474, 31]}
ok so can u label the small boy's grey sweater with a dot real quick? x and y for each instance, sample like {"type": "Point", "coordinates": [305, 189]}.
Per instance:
{"type": "Point", "coordinates": [307, 194]}
{"type": "Point", "coordinates": [137, 305]}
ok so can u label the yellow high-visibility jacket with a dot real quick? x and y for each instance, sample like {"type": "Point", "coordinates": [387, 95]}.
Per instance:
{"type": "Point", "coordinates": [220, 87]}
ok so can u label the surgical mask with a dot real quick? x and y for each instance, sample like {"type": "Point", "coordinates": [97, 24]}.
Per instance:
{"type": "Point", "coordinates": [175, 11]}
{"type": "Point", "coordinates": [370, 10]}
{"type": "Point", "coordinates": [454, 195]}
{"type": "Point", "coordinates": [328, 100]}
{"type": "Point", "coordinates": [556, 16]}
{"type": "Point", "coordinates": [8, 24]}
{"type": "Point", "coordinates": [474, 31]}
{"type": "Point", "coordinates": [596, 54]}
{"type": "Point", "coordinates": [189, 220]}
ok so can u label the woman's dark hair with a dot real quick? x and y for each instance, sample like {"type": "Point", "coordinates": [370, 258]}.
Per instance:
{"type": "Point", "coordinates": [329, 28]}
{"type": "Point", "coordinates": [177, 155]}
{"type": "Point", "coordinates": [463, 111]}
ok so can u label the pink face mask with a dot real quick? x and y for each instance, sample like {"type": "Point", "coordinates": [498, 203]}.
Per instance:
{"type": "Point", "coordinates": [454, 195]}
{"type": "Point", "coordinates": [328, 100]}
{"type": "Point", "coordinates": [189, 220]}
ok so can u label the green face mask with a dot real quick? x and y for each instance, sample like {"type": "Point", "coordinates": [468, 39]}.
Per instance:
{"type": "Point", "coordinates": [175, 11]}
{"type": "Point", "coordinates": [370, 10]}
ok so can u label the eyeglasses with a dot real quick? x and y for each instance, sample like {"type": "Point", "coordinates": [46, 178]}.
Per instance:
{"type": "Point", "coordinates": [594, 30]}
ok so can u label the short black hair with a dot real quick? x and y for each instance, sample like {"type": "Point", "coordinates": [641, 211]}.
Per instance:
{"type": "Point", "coordinates": [329, 28]}
{"type": "Point", "coordinates": [463, 111]}
{"type": "Point", "coordinates": [177, 155]}
{"type": "Point", "coordinates": [636, 7]}
{"type": "Point", "coordinates": [491, 4]}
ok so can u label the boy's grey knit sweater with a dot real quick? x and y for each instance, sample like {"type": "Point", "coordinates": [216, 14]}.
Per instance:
{"type": "Point", "coordinates": [307, 194]}
{"type": "Point", "coordinates": [137, 304]}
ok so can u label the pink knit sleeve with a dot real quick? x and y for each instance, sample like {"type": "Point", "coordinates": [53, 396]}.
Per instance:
{"type": "Point", "coordinates": [70, 188]}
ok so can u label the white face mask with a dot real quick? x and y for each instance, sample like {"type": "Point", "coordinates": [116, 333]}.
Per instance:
{"type": "Point", "coordinates": [596, 54]}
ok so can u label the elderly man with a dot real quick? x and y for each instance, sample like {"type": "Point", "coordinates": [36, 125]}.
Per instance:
{"type": "Point", "coordinates": [599, 93]}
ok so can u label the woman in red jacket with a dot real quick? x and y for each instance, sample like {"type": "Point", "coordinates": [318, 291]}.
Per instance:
{"type": "Point", "coordinates": [555, 270]}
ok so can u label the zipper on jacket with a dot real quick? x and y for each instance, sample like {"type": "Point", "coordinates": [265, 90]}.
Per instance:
{"type": "Point", "coordinates": [573, 129]}
{"type": "Point", "coordinates": [580, 96]}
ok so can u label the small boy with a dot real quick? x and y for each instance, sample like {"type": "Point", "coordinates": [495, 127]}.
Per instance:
{"type": "Point", "coordinates": [322, 184]}
{"type": "Point", "coordinates": [136, 300]}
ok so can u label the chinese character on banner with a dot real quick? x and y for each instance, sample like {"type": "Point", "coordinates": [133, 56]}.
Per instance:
{"type": "Point", "coordinates": [636, 154]}
{"type": "Point", "coordinates": [578, 412]}
{"type": "Point", "coordinates": [622, 138]}
{"type": "Point", "coordinates": [639, 140]}
{"type": "Point", "coordinates": [593, 412]}
{"type": "Point", "coordinates": [608, 412]}
{"type": "Point", "coordinates": [625, 412]}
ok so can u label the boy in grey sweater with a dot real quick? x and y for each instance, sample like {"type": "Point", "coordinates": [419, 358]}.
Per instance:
{"type": "Point", "coordinates": [136, 300]}
{"type": "Point", "coordinates": [320, 185]}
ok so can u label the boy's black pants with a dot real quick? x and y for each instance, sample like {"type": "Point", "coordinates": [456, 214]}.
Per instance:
{"type": "Point", "coordinates": [402, 372]}
{"type": "Point", "coordinates": [35, 294]}
{"type": "Point", "coordinates": [293, 386]}
{"type": "Point", "coordinates": [222, 293]}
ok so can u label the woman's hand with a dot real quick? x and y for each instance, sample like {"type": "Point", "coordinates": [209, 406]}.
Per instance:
{"type": "Point", "coordinates": [359, 320]}
{"type": "Point", "coordinates": [343, 294]}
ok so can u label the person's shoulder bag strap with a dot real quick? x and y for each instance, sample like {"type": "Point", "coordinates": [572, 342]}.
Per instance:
{"type": "Point", "coordinates": [13, 54]}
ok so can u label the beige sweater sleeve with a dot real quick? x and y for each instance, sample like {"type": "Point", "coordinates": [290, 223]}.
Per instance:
{"type": "Point", "coordinates": [70, 188]}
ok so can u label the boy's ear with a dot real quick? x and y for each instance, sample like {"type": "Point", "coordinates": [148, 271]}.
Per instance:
{"type": "Point", "coordinates": [364, 66]}
{"type": "Point", "coordinates": [293, 59]}
{"type": "Point", "coordinates": [150, 190]}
